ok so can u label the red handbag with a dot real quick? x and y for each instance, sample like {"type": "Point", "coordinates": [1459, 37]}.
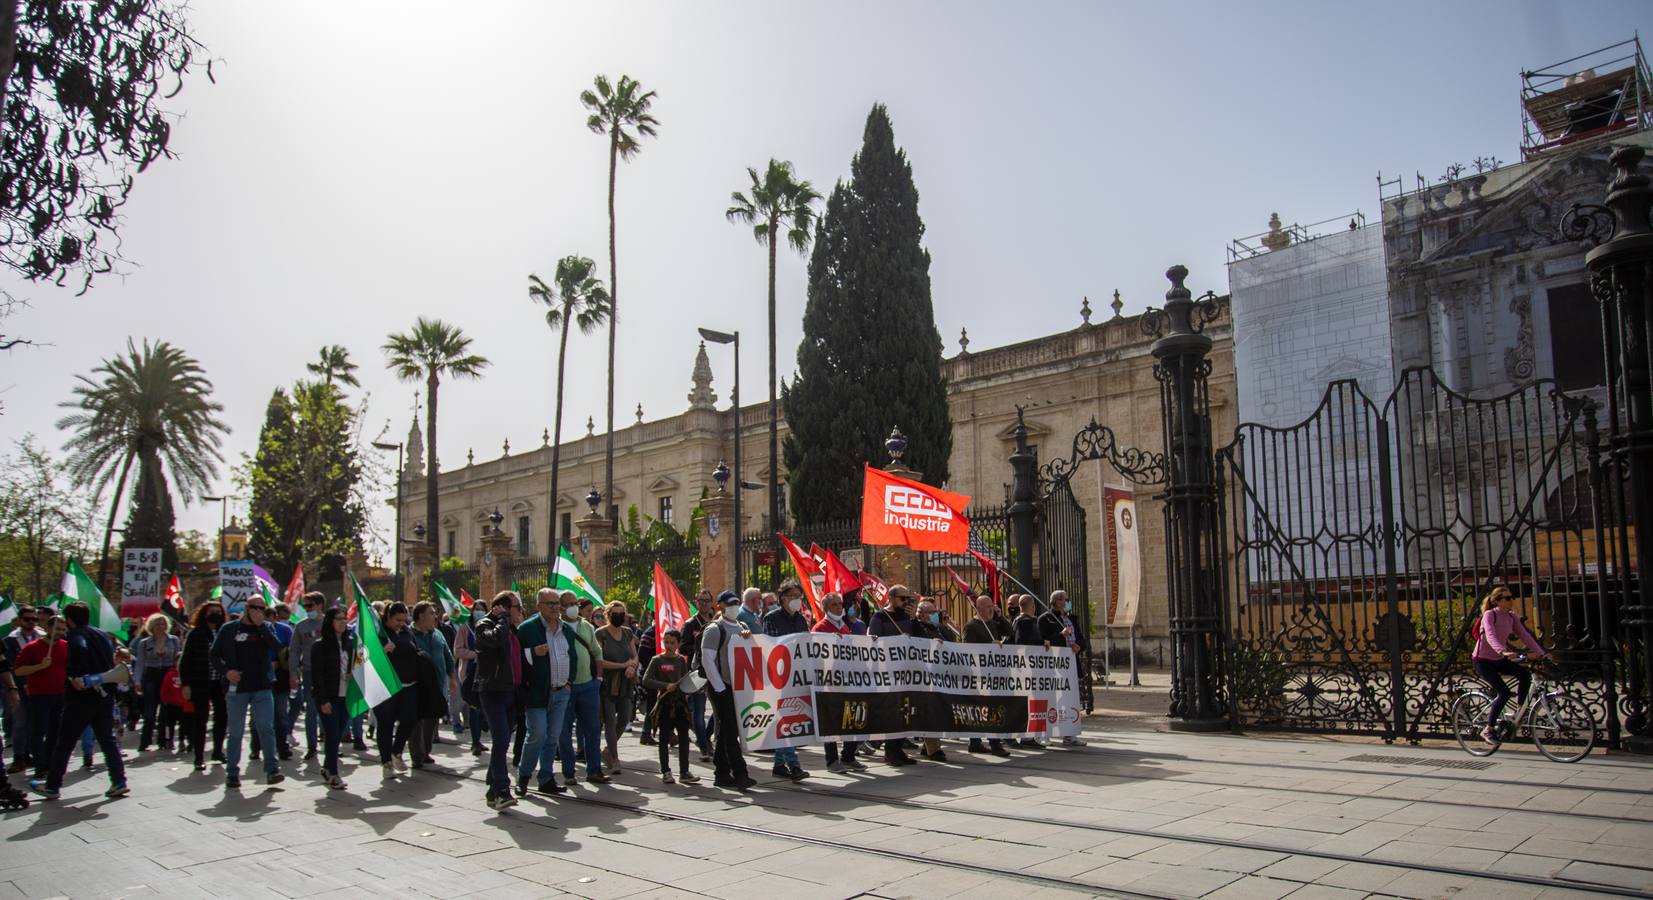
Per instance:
{"type": "Point", "coordinates": [172, 691]}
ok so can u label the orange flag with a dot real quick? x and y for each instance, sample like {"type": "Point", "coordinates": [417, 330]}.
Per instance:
{"type": "Point", "coordinates": [671, 609]}
{"type": "Point", "coordinates": [808, 570]}
{"type": "Point", "coordinates": [899, 512]}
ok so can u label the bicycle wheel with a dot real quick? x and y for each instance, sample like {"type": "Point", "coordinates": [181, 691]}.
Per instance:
{"type": "Point", "coordinates": [1562, 727]}
{"type": "Point", "coordinates": [1469, 716]}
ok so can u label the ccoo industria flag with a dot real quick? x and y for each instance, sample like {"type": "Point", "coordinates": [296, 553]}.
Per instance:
{"type": "Point", "coordinates": [899, 512]}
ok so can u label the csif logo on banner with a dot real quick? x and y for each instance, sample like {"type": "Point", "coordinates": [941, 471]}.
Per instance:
{"type": "Point", "coordinates": [915, 510]}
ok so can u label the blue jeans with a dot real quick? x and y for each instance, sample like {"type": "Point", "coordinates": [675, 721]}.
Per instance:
{"type": "Point", "coordinates": [702, 726]}
{"type": "Point", "coordinates": [311, 713]}
{"type": "Point", "coordinates": [262, 704]}
{"type": "Point", "coordinates": [586, 702]}
{"type": "Point", "coordinates": [544, 736]}
{"type": "Point", "coordinates": [496, 707]}
{"type": "Point", "coordinates": [786, 756]}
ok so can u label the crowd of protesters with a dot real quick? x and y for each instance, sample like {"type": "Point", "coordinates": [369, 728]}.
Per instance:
{"type": "Point", "coordinates": [555, 682]}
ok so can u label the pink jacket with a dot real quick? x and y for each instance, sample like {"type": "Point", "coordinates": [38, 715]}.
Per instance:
{"type": "Point", "coordinates": [1497, 626]}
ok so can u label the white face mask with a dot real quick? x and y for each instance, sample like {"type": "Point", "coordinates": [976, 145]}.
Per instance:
{"type": "Point", "coordinates": [731, 613]}
{"type": "Point", "coordinates": [835, 618]}
{"type": "Point", "coordinates": [793, 605]}
{"type": "Point", "coordinates": [571, 613]}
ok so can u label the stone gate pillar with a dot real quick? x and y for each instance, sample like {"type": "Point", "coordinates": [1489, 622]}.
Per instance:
{"type": "Point", "coordinates": [597, 538]}
{"type": "Point", "coordinates": [419, 560]}
{"type": "Point", "coordinates": [719, 536]}
{"type": "Point", "coordinates": [1192, 553]}
{"type": "Point", "coordinates": [494, 575]}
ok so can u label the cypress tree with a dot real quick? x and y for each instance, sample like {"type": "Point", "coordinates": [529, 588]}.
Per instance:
{"type": "Point", "coordinates": [870, 359]}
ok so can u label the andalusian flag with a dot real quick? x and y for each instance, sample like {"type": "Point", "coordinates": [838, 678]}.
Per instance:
{"type": "Point", "coordinates": [372, 681]}
{"type": "Point", "coordinates": [269, 597]}
{"type": "Point", "coordinates": [457, 611]}
{"type": "Point", "coordinates": [77, 585]}
{"type": "Point", "coordinates": [567, 576]}
{"type": "Point", "coordinates": [8, 614]}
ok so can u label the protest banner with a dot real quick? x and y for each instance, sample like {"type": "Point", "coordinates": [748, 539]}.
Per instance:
{"type": "Point", "coordinates": [807, 688]}
{"type": "Point", "coordinates": [140, 582]}
{"type": "Point", "coordinates": [238, 581]}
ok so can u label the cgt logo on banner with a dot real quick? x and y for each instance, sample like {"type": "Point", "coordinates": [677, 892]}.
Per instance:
{"type": "Point", "coordinates": [803, 688]}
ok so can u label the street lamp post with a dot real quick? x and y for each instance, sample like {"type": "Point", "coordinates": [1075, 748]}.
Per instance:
{"type": "Point", "coordinates": [720, 337]}
{"type": "Point", "coordinates": [398, 449]}
{"type": "Point", "coordinates": [223, 520]}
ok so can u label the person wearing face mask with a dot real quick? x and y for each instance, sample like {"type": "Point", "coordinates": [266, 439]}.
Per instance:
{"type": "Point", "coordinates": [245, 651]}
{"type": "Point", "coordinates": [716, 663]}
{"type": "Point", "coordinates": [928, 625]}
{"type": "Point", "coordinates": [787, 618]}
{"type": "Point", "coordinates": [305, 635]}
{"type": "Point", "coordinates": [752, 608]}
{"type": "Point", "coordinates": [585, 699]}
{"type": "Point", "coordinates": [619, 666]}
{"type": "Point", "coordinates": [1057, 629]}
{"type": "Point", "coordinates": [203, 685]}
{"type": "Point", "coordinates": [834, 622]}
{"type": "Point", "coordinates": [854, 619]}
{"type": "Point", "coordinates": [706, 613]}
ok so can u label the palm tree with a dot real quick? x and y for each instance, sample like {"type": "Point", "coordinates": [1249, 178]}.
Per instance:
{"type": "Point", "coordinates": [614, 109]}
{"type": "Point", "coordinates": [778, 200]}
{"type": "Point", "coordinates": [334, 362]}
{"type": "Point", "coordinates": [153, 405]}
{"type": "Point", "coordinates": [577, 297]}
{"type": "Point", "coordinates": [432, 349]}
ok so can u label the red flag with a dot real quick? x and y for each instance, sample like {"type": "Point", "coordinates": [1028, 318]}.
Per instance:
{"type": "Point", "coordinates": [173, 599]}
{"type": "Point", "coordinates": [807, 569]}
{"type": "Point", "coordinates": [963, 586]}
{"type": "Point", "coordinates": [294, 594]}
{"type": "Point", "coordinates": [992, 571]}
{"type": "Point", "coordinates": [874, 588]}
{"type": "Point", "coordinates": [838, 578]}
{"type": "Point", "coordinates": [671, 609]}
{"type": "Point", "coordinates": [465, 599]}
{"type": "Point", "coordinates": [899, 512]}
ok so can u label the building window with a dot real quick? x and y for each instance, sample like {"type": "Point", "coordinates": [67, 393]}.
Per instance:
{"type": "Point", "coordinates": [522, 535]}
{"type": "Point", "coordinates": [1575, 338]}
{"type": "Point", "coordinates": [666, 510]}
{"type": "Point", "coordinates": [567, 528]}
{"type": "Point", "coordinates": [450, 544]}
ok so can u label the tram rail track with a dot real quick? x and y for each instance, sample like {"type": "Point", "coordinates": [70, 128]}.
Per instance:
{"type": "Point", "coordinates": [779, 789]}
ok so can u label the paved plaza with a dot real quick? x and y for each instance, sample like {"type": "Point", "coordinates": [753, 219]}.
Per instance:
{"type": "Point", "coordinates": [1137, 812]}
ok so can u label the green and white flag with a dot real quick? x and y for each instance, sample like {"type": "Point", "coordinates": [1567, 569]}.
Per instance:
{"type": "Point", "coordinates": [450, 604]}
{"type": "Point", "coordinates": [8, 614]}
{"type": "Point", "coordinates": [77, 585]}
{"type": "Point", "coordinates": [567, 576]}
{"type": "Point", "coordinates": [372, 681]}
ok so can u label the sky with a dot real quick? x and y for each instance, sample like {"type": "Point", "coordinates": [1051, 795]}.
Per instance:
{"type": "Point", "coordinates": [358, 165]}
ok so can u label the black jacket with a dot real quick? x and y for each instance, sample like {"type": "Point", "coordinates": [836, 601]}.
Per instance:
{"type": "Point", "coordinates": [997, 628]}
{"type": "Point", "coordinates": [493, 654]}
{"type": "Point", "coordinates": [250, 650]}
{"type": "Point", "coordinates": [195, 664]}
{"type": "Point", "coordinates": [324, 667]}
{"type": "Point", "coordinates": [404, 656]}
{"type": "Point", "coordinates": [923, 629]}
{"type": "Point", "coordinates": [1050, 628]}
{"type": "Point", "coordinates": [1026, 630]}
{"type": "Point", "coordinates": [886, 623]}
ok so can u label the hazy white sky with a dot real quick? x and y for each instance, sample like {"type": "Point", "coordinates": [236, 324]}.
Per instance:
{"type": "Point", "coordinates": [360, 164]}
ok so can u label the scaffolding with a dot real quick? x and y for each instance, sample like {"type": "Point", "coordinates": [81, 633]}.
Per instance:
{"type": "Point", "coordinates": [1291, 235]}
{"type": "Point", "coordinates": [1590, 97]}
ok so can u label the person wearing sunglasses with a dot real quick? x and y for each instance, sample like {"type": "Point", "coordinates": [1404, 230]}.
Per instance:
{"type": "Point", "coordinates": [244, 650]}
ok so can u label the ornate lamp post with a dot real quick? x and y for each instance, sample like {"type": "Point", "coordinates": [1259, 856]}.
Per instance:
{"type": "Point", "coordinates": [1193, 554]}
{"type": "Point", "coordinates": [494, 518]}
{"type": "Point", "coordinates": [1620, 263]}
{"type": "Point", "coordinates": [594, 499]}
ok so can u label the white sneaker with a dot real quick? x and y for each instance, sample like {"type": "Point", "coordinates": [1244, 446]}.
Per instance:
{"type": "Point", "coordinates": [388, 770]}
{"type": "Point", "coordinates": [401, 764]}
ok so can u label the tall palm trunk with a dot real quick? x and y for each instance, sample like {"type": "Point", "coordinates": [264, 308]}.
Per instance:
{"type": "Point", "coordinates": [774, 426]}
{"type": "Point", "coordinates": [556, 429]}
{"type": "Point", "coordinates": [613, 315]}
{"type": "Point", "coordinates": [431, 524]}
{"type": "Point", "coordinates": [114, 510]}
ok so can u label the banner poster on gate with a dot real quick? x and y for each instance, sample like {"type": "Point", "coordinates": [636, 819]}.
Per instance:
{"type": "Point", "coordinates": [1124, 556]}
{"type": "Point", "coordinates": [807, 688]}
{"type": "Point", "coordinates": [238, 583]}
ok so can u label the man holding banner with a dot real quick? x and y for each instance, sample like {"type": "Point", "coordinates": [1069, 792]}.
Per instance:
{"type": "Point", "coordinates": [716, 660]}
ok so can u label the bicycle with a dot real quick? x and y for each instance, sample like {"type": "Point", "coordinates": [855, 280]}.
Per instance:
{"type": "Point", "coordinates": [1559, 724]}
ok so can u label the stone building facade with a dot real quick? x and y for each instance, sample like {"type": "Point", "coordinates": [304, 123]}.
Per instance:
{"type": "Point", "coordinates": [1100, 370]}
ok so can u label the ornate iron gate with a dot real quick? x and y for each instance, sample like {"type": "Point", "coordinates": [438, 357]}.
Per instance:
{"type": "Point", "coordinates": [1364, 538]}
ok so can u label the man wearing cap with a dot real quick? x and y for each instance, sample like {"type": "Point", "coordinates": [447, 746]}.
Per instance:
{"type": "Point", "coordinates": [715, 642]}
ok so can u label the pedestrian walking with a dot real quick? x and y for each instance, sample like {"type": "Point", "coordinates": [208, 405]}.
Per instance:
{"type": "Point", "coordinates": [665, 677]}
{"type": "Point", "coordinates": [154, 656]}
{"type": "Point", "coordinates": [332, 658]}
{"type": "Point", "coordinates": [619, 666]}
{"type": "Point", "coordinates": [549, 645]}
{"type": "Point", "coordinates": [787, 618]}
{"type": "Point", "coordinates": [832, 622]}
{"type": "Point", "coordinates": [436, 682]}
{"type": "Point", "coordinates": [718, 665]}
{"type": "Point", "coordinates": [91, 654]}
{"type": "Point", "coordinates": [498, 673]}
{"type": "Point", "coordinates": [305, 636]}
{"type": "Point", "coordinates": [585, 700]}
{"type": "Point", "coordinates": [203, 684]}
{"type": "Point", "coordinates": [244, 651]}
{"type": "Point", "coordinates": [43, 665]}
{"type": "Point", "coordinates": [395, 717]}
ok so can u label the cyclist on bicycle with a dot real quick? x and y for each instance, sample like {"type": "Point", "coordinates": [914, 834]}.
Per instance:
{"type": "Point", "coordinates": [1493, 657]}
